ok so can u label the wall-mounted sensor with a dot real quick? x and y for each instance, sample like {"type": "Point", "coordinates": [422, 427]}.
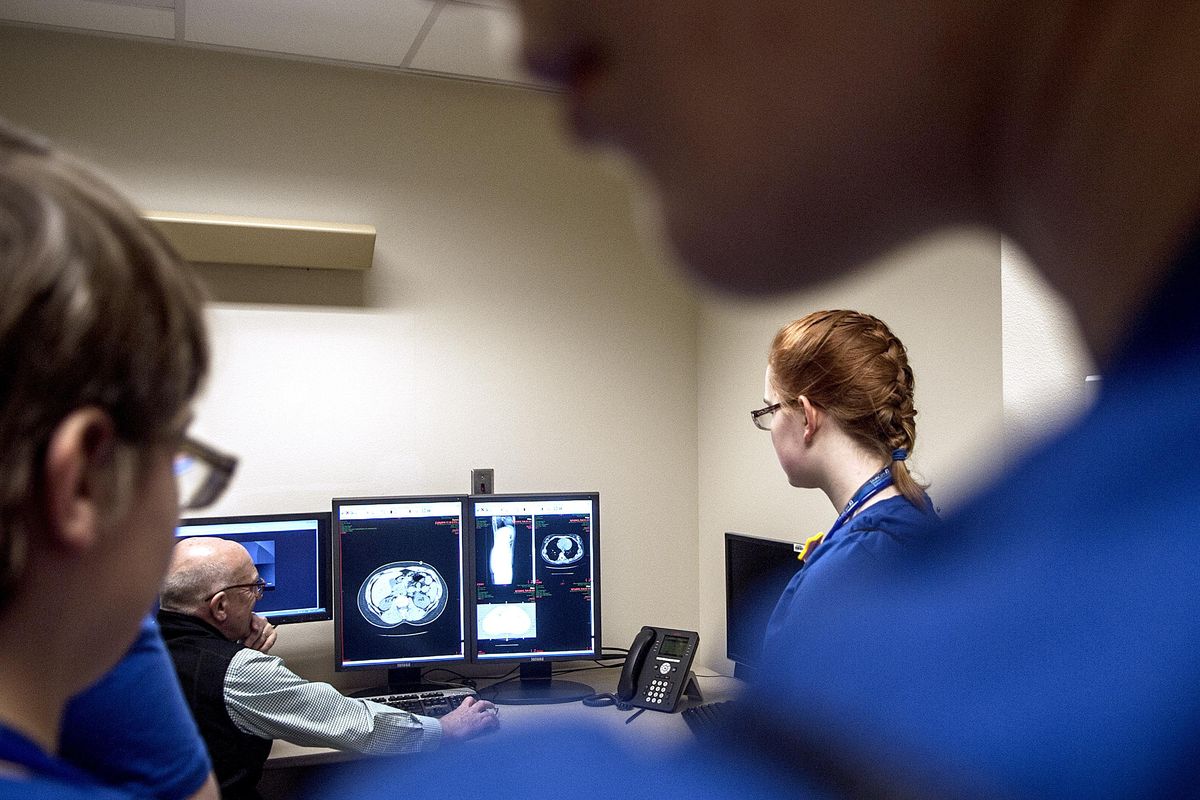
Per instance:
{"type": "Point", "coordinates": [482, 481]}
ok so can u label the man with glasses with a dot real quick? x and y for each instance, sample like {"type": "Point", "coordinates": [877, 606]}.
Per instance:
{"type": "Point", "coordinates": [243, 698]}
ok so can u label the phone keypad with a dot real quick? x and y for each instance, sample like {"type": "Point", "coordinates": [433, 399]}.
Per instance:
{"type": "Point", "coordinates": [656, 690]}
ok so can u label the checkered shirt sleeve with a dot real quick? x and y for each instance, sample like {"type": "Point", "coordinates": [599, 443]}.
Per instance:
{"type": "Point", "coordinates": [266, 699]}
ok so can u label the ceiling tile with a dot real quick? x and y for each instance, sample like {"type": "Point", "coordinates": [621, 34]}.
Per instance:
{"type": "Point", "coordinates": [368, 31]}
{"type": "Point", "coordinates": [92, 15]}
{"type": "Point", "coordinates": [475, 40]}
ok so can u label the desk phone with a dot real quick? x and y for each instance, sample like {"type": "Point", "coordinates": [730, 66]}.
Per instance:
{"type": "Point", "coordinates": [658, 670]}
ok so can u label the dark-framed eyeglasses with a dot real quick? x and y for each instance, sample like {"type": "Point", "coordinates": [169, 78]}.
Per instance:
{"type": "Point", "coordinates": [257, 588]}
{"type": "Point", "coordinates": [763, 418]}
{"type": "Point", "coordinates": [202, 473]}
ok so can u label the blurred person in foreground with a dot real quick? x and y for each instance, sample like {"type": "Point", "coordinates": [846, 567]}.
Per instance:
{"type": "Point", "coordinates": [1043, 642]}
{"type": "Point", "coordinates": [102, 348]}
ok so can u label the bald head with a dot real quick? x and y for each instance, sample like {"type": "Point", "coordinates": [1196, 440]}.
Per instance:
{"type": "Point", "coordinates": [199, 568]}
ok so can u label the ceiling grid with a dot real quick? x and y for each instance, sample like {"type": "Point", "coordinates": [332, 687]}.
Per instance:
{"type": "Point", "coordinates": [472, 40]}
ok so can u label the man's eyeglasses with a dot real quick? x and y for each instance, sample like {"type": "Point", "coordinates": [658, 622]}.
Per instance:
{"type": "Point", "coordinates": [763, 418]}
{"type": "Point", "coordinates": [201, 473]}
{"type": "Point", "coordinates": [258, 587]}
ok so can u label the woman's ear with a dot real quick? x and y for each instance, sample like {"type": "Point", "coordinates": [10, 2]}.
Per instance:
{"type": "Point", "coordinates": [76, 477]}
{"type": "Point", "coordinates": [812, 418]}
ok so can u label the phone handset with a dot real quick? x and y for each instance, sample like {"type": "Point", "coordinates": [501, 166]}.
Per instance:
{"type": "Point", "coordinates": [627, 685]}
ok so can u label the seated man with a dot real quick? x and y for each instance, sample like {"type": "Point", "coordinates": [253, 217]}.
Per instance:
{"type": "Point", "coordinates": [243, 698]}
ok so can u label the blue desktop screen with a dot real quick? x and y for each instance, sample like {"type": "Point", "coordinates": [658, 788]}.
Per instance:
{"type": "Point", "coordinates": [291, 553]}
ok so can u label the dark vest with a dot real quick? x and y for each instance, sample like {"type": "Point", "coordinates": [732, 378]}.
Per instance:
{"type": "Point", "coordinates": [202, 656]}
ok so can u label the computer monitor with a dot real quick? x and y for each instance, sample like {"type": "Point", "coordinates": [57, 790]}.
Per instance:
{"type": "Point", "coordinates": [291, 553]}
{"type": "Point", "coordinates": [537, 588]}
{"type": "Point", "coordinates": [400, 568]}
{"type": "Point", "coordinates": [756, 572]}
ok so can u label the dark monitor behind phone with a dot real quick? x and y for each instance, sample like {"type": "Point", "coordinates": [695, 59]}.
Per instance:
{"type": "Point", "coordinates": [757, 571]}
{"type": "Point", "coordinates": [291, 553]}
{"type": "Point", "coordinates": [537, 589]}
{"type": "Point", "coordinates": [400, 568]}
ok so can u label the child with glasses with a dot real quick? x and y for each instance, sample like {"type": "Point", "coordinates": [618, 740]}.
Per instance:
{"type": "Point", "coordinates": [102, 349]}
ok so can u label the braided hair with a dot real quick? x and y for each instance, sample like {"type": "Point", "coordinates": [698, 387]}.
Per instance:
{"type": "Point", "coordinates": [852, 366]}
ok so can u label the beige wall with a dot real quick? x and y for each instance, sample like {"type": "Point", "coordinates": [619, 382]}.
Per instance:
{"type": "Point", "coordinates": [510, 321]}
{"type": "Point", "coordinates": [942, 298]}
{"type": "Point", "coordinates": [1045, 361]}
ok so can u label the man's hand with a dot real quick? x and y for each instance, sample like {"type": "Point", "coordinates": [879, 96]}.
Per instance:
{"type": "Point", "coordinates": [262, 634]}
{"type": "Point", "coordinates": [473, 718]}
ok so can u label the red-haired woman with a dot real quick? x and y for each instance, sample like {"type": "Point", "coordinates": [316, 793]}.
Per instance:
{"type": "Point", "coordinates": [839, 394]}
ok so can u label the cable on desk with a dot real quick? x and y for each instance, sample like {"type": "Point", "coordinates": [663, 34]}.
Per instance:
{"type": "Point", "coordinates": [462, 680]}
{"type": "Point", "coordinates": [505, 678]}
{"type": "Point", "coordinates": [602, 699]}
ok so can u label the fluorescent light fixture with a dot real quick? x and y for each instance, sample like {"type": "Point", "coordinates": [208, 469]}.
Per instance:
{"type": "Point", "coordinates": [223, 239]}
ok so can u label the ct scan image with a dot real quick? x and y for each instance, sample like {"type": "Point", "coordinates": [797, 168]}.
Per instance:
{"type": "Point", "coordinates": [403, 593]}
{"type": "Point", "coordinates": [562, 549]}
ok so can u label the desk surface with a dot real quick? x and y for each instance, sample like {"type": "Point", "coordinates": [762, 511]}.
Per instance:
{"type": "Point", "coordinates": [651, 729]}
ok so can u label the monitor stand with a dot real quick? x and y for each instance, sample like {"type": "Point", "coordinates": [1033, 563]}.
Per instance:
{"type": "Point", "coordinates": [404, 680]}
{"type": "Point", "coordinates": [537, 686]}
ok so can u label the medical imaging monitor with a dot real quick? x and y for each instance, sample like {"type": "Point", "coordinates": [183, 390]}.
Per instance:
{"type": "Point", "coordinates": [537, 588]}
{"type": "Point", "coordinates": [400, 568]}
{"type": "Point", "coordinates": [757, 571]}
{"type": "Point", "coordinates": [291, 553]}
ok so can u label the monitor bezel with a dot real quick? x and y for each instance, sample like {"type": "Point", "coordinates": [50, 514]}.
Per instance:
{"type": "Point", "coordinates": [468, 569]}
{"type": "Point", "coordinates": [597, 639]}
{"type": "Point", "coordinates": [324, 552]}
{"type": "Point", "coordinates": [792, 548]}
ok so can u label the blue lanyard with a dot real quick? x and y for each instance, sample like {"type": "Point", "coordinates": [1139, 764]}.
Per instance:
{"type": "Point", "coordinates": [878, 482]}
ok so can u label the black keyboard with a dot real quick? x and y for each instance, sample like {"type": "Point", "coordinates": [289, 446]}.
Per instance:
{"type": "Point", "coordinates": [435, 703]}
{"type": "Point", "coordinates": [711, 719]}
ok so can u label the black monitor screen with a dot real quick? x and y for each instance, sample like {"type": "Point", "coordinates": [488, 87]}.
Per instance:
{"type": "Point", "coordinates": [400, 581]}
{"type": "Point", "coordinates": [291, 553]}
{"type": "Point", "coordinates": [537, 576]}
{"type": "Point", "coordinates": [756, 573]}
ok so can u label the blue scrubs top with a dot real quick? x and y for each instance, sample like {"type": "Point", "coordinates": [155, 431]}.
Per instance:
{"type": "Point", "coordinates": [872, 535]}
{"type": "Point", "coordinates": [133, 729]}
{"type": "Point", "coordinates": [28, 773]}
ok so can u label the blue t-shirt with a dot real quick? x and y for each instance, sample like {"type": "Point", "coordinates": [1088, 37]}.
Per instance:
{"type": "Point", "coordinates": [572, 762]}
{"type": "Point", "coordinates": [44, 777]}
{"type": "Point", "coordinates": [872, 535]}
{"type": "Point", "coordinates": [133, 728]}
